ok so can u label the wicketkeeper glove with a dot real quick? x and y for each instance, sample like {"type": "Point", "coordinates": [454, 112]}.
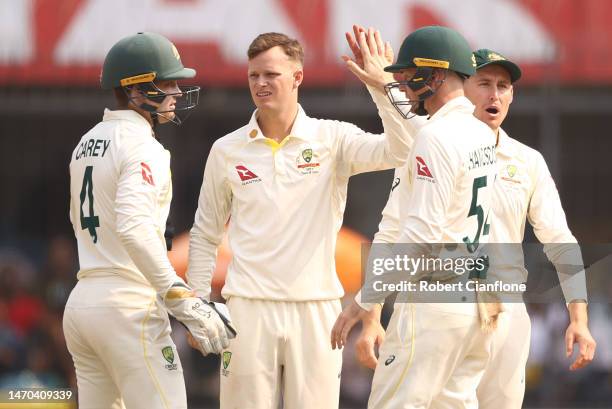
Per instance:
{"type": "Point", "coordinates": [209, 323]}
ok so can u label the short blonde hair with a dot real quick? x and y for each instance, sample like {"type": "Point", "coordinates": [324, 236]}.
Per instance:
{"type": "Point", "coordinates": [263, 42]}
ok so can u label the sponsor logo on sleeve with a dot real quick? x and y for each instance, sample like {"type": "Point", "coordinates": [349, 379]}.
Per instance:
{"type": "Point", "coordinates": [423, 172]}
{"type": "Point", "coordinates": [147, 175]}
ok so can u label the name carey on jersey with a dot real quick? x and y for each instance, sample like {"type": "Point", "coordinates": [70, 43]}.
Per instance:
{"type": "Point", "coordinates": [92, 147]}
{"type": "Point", "coordinates": [483, 156]}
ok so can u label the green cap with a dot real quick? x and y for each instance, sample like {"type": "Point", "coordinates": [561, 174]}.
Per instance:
{"type": "Point", "coordinates": [437, 47]}
{"type": "Point", "coordinates": [143, 57]}
{"type": "Point", "coordinates": [485, 57]}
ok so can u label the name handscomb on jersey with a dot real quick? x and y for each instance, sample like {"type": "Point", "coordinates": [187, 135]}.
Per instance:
{"type": "Point", "coordinates": [483, 156]}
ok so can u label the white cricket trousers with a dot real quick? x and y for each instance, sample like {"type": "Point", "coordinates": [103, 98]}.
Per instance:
{"type": "Point", "coordinates": [428, 349]}
{"type": "Point", "coordinates": [503, 383]}
{"type": "Point", "coordinates": [282, 353]}
{"type": "Point", "coordinates": [119, 339]}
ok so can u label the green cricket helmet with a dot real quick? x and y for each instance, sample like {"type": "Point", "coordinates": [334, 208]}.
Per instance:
{"type": "Point", "coordinates": [139, 61]}
{"type": "Point", "coordinates": [426, 49]}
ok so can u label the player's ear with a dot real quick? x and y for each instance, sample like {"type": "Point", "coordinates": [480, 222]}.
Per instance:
{"type": "Point", "coordinates": [298, 76]}
{"type": "Point", "coordinates": [511, 93]}
{"type": "Point", "coordinates": [437, 78]}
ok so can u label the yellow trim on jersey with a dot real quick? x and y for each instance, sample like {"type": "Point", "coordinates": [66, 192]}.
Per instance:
{"type": "Point", "coordinates": [147, 363]}
{"type": "Point", "coordinates": [137, 79]}
{"type": "Point", "coordinates": [409, 364]}
{"type": "Point", "coordinates": [428, 62]}
{"type": "Point", "coordinates": [275, 146]}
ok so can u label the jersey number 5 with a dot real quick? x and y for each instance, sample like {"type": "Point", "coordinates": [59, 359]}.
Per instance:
{"type": "Point", "coordinates": [476, 210]}
{"type": "Point", "coordinates": [89, 222]}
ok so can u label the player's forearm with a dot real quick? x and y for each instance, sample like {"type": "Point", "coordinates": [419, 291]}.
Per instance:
{"type": "Point", "coordinates": [147, 249]}
{"type": "Point", "coordinates": [202, 260]}
{"type": "Point", "coordinates": [567, 259]}
{"type": "Point", "coordinates": [399, 138]}
{"type": "Point", "coordinates": [578, 312]}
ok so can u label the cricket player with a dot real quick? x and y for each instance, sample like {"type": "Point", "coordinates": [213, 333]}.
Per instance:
{"type": "Point", "coordinates": [525, 191]}
{"type": "Point", "coordinates": [281, 182]}
{"type": "Point", "coordinates": [116, 318]}
{"type": "Point", "coordinates": [446, 197]}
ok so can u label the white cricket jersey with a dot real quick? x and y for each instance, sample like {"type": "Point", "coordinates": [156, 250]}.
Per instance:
{"type": "Point", "coordinates": [446, 194]}
{"type": "Point", "coordinates": [285, 204]}
{"type": "Point", "coordinates": [449, 184]}
{"type": "Point", "coordinates": [524, 191]}
{"type": "Point", "coordinates": [120, 188]}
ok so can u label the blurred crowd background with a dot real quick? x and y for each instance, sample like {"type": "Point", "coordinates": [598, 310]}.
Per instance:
{"type": "Point", "coordinates": [50, 56]}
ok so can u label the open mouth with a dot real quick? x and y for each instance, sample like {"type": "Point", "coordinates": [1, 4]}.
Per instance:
{"type": "Point", "coordinates": [264, 94]}
{"type": "Point", "coordinates": [492, 110]}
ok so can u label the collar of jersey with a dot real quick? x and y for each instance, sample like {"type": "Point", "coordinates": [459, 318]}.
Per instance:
{"type": "Point", "coordinates": [456, 104]}
{"type": "Point", "coordinates": [127, 115]}
{"type": "Point", "coordinates": [299, 130]}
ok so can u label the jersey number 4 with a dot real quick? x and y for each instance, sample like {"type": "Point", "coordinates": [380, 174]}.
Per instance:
{"type": "Point", "coordinates": [89, 222]}
{"type": "Point", "coordinates": [476, 210]}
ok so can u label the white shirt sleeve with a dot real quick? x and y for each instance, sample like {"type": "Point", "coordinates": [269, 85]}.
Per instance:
{"type": "Point", "coordinates": [389, 226]}
{"type": "Point", "coordinates": [136, 205]}
{"type": "Point", "coordinates": [211, 216]}
{"type": "Point", "coordinates": [365, 152]}
{"type": "Point", "coordinates": [427, 204]}
{"type": "Point", "coordinates": [546, 215]}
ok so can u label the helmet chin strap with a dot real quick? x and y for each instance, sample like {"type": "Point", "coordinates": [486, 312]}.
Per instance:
{"type": "Point", "coordinates": [145, 106]}
{"type": "Point", "coordinates": [421, 85]}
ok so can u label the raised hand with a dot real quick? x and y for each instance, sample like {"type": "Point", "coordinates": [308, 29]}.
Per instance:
{"type": "Point", "coordinates": [370, 56]}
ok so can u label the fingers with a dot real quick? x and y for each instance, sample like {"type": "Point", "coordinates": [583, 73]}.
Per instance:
{"type": "Point", "coordinates": [379, 43]}
{"type": "Point", "coordinates": [357, 29]}
{"type": "Point", "coordinates": [569, 343]}
{"type": "Point", "coordinates": [352, 43]}
{"type": "Point", "coordinates": [586, 349]}
{"type": "Point", "coordinates": [348, 326]}
{"type": "Point", "coordinates": [372, 42]}
{"type": "Point", "coordinates": [363, 45]}
{"type": "Point", "coordinates": [592, 348]}
{"type": "Point", "coordinates": [365, 352]}
{"type": "Point", "coordinates": [587, 353]}
{"type": "Point", "coordinates": [341, 329]}
{"type": "Point", "coordinates": [224, 338]}
{"type": "Point", "coordinates": [337, 330]}
{"type": "Point", "coordinates": [207, 347]}
{"type": "Point", "coordinates": [216, 344]}
{"type": "Point", "coordinates": [389, 53]}
{"type": "Point", "coordinates": [355, 69]}
{"type": "Point", "coordinates": [335, 333]}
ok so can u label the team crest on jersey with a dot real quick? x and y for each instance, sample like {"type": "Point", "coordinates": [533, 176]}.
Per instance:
{"type": "Point", "coordinates": [246, 176]}
{"type": "Point", "coordinates": [225, 361]}
{"type": "Point", "coordinates": [168, 354]}
{"type": "Point", "coordinates": [423, 172]}
{"type": "Point", "coordinates": [307, 162]}
{"type": "Point", "coordinates": [147, 175]}
{"type": "Point", "coordinates": [509, 174]}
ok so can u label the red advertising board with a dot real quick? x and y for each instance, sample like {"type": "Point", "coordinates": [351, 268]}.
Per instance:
{"type": "Point", "coordinates": [59, 42]}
